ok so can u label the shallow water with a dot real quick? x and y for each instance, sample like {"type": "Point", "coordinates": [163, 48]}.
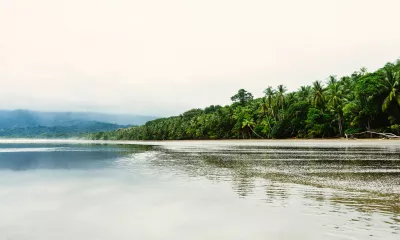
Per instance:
{"type": "Point", "coordinates": [199, 190]}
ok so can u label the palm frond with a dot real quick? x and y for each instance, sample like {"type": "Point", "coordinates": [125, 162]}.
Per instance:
{"type": "Point", "coordinates": [386, 103]}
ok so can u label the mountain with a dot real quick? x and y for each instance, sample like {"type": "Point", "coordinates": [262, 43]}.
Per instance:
{"type": "Point", "coordinates": [34, 124]}
{"type": "Point", "coordinates": [27, 118]}
{"type": "Point", "coordinates": [73, 130]}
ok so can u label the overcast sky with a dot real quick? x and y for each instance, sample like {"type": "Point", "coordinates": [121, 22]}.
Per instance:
{"type": "Point", "coordinates": [163, 57]}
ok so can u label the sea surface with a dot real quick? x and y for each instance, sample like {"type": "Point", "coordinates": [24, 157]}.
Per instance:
{"type": "Point", "coordinates": [102, 190]}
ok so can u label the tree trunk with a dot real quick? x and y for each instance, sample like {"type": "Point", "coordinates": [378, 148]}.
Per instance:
{"type": "Point", "coordinates": [269, 125]}
{"type": "Point", "coordinates": [369, 128]}
{"type": "Point", "coordinates": [340, 125]}
{"type": "Point", "coordinates": [255, 132]}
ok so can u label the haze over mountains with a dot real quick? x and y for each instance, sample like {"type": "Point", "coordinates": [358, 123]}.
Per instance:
{"type": "Point", "coordinates": [27, 123]}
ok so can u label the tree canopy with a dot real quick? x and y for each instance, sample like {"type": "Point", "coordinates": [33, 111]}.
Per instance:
{"type": "Point", "coordinates": [363, 101]}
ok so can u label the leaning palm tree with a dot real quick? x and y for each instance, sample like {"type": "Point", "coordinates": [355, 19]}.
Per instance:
{"type": "Point", "coordinates": [390, 87]}
{"type": "Point", "coordinates": [249, 123]}
{"type": "Point", "coordinates": [318, 99]}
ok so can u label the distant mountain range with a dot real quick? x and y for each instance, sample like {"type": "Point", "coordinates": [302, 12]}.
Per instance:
{"type": "Point", "coordinates": [35, 124]}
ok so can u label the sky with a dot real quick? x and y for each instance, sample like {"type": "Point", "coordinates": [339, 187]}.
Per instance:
{"type": "Point", "coordinates": [158, 57]}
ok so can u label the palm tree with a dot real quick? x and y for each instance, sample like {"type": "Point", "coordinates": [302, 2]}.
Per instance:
{"type": "Point", "coordinates": [249, 123]}
{"type": "Point", "coordinates": [281, 95]}
{"type": "Point", "coordinates": [336, 103]}
{"type": "Point", "coordinates": [304, 93]}
{"type": "Point", "coordinates": [290, 98]}
{"type": "Point", "coordinates": [269, 95]}
{"type": "Point", "coordinates": [318, 95]}
{"type": "Point", "coordinates": [348, 86]}
{"type": "Point", "coordinates": [331, 80]}
{"type": "Point", "coordinates": [363, 71]}
{"type": "Point", "coordinates": [391, 85]}
{"type": "Point", "coordinates": [264, 106]}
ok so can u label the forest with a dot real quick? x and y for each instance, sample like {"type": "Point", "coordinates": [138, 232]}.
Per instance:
{"type": "Point", "coordinates": [333, 108]}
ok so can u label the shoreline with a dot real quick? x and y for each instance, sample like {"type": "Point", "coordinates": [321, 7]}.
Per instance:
{"type": "Point", "coordinates": [76, 140]}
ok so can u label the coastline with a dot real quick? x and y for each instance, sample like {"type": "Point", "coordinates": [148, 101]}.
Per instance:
{"type": "Point", "coordinates": [300, 140]}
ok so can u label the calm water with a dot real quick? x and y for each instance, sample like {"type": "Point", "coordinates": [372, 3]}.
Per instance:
{"type": "Point", "coordinates": [200, 190]}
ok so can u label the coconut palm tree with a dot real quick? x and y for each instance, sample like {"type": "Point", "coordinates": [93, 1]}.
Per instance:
{"type": "Point", "coordinates": [290, 98]}
{"type": "Point", "coordinates": [269, 94]}
{"type": "Point", "coordinates": [264, 106]}
{"type": "Point", "coordinates": [331, 80]}
{"type": "Point", "coordinates": [318, 99]}
{"type": "Point", "coordinates": [348, 86]}
{"type": "Point", "coordinates": [390, 87]}
{"type": "Point", "coordinates": [336, 101]}
{"type": "Point", "coordinates": [249, 123]}
{"type": "Point", "coordinates": [363, 71]}
{"type": "Point", "coordinates": [304, 93]}
{"type": "Point", "coordinates": [281, 95]}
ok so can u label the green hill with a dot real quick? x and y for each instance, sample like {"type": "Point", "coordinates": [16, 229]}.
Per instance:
{"type": "Point", "coordinates": [35, 124]}
{"type": "Point", "coordinates": [73, 130]}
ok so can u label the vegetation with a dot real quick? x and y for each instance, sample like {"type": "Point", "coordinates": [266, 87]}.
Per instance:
{"type": "Point", "coordinates": [363, 101]}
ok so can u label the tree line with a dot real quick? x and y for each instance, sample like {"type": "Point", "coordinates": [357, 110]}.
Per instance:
{"type": "Point", "coordinates": [363, 101]}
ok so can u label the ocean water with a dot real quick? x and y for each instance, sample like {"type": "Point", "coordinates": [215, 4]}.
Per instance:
{"type": "Point", "coordinates": [199, 190]}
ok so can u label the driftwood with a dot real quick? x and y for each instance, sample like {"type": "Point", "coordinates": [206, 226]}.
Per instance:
{"type": "Point", "coordinates": [386, 135]}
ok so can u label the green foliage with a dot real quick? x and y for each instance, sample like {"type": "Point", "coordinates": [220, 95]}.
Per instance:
{"type": "Point", "coordinates": [317, 123]}
{"type": "Point", "coordinates": [349, 104]}
{"type": "Point", "coordinates": [242, 97]}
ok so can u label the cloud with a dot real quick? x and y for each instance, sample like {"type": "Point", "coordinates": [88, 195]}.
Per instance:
{"type": "Point", "coordinates": [163, 57]}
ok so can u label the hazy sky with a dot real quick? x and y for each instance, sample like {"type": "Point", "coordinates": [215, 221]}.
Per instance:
{"type": "Point", "coordinates": [162, 57]}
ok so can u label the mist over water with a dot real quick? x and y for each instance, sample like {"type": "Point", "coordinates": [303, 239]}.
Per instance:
{"type": "Point", "coordinates": [200, 190]}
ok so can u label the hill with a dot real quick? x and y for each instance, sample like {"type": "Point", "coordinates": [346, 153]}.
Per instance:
{"type": "Point", "coordinates": [28, 118]}
{"type": "Point", "coordinates": [74, 130]}
{"type": "Point", "coordinates": [35, 124]}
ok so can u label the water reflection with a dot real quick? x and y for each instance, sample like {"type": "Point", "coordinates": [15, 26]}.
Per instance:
{"type": "Point", "coordinates": [20, 157]}
{"type": "Point", "coordinates": [243, 184]}
{"type": "Point", "coordinates": [364, 180]}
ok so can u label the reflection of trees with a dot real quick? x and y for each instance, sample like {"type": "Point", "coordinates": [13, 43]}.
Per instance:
{"type": "Point", "coordinates": [347, 169]}
{"type": "Point", "coordinates": [127, 149]}
{"type": "Point", "coordinates": [368, 203]}
{"type": "Point", "coordinates": [276, 192]}
{"type": "Point", "coordinates": [77, 156]}
{"type": "Point", "coordinates": [243, 184]}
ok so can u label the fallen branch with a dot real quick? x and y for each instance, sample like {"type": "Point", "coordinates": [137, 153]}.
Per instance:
{"type": "Point", "coordinates": [386, 135]}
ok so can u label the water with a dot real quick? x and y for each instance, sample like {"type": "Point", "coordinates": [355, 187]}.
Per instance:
{"type": "Point", "coordinates": [199, 190]}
